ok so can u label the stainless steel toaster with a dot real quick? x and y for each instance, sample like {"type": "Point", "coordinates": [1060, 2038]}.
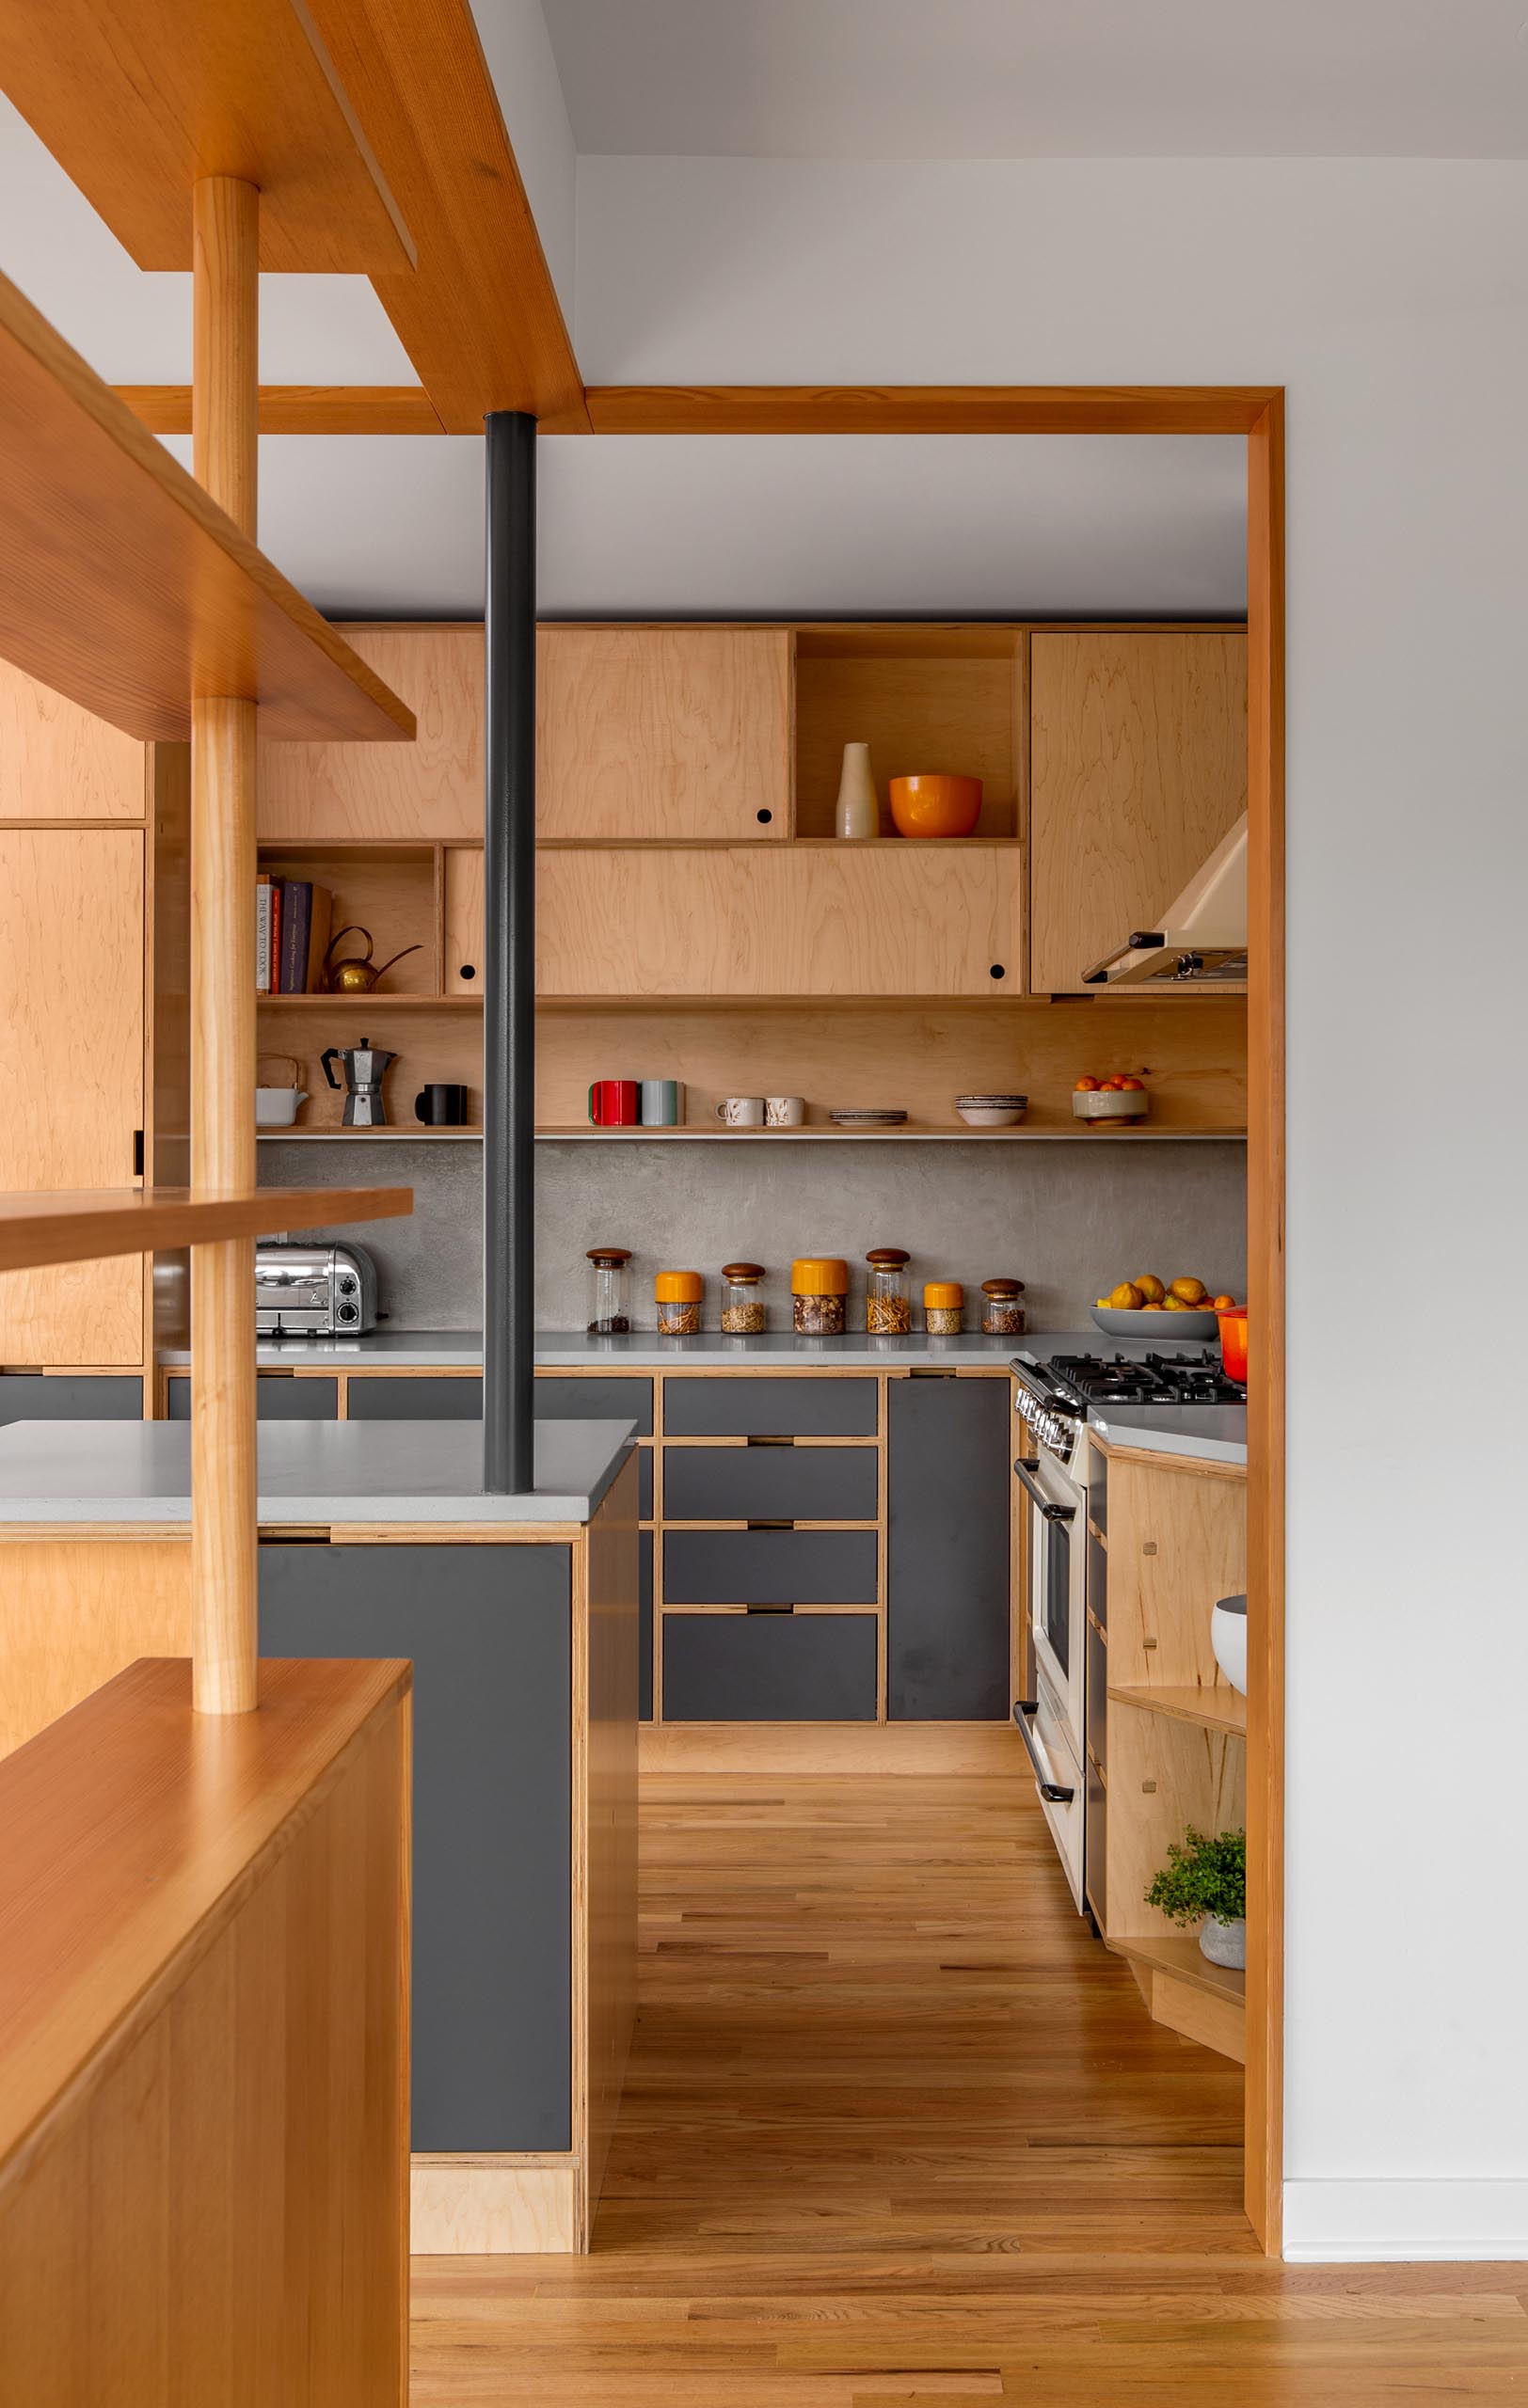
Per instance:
{"type": "Point", "coordinates": [313, 1290]}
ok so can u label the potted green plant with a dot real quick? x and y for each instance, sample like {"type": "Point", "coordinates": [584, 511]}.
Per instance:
{"type": "Point", "coordinates": [1205, 1881]}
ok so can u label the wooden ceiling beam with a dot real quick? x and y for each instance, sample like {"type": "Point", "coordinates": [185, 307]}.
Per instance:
{"type": "Point", "coordinates": [926, 409]}
{"type": "Point", "coordinates": [299, 409]}
{"type": "Point", "coordinates": [479, 316]}
{"type": "Point", "coordinates": [138, 100]}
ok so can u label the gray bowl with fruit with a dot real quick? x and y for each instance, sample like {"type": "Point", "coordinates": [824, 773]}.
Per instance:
{"type": "Point", "coordinates": [1154, 1311]}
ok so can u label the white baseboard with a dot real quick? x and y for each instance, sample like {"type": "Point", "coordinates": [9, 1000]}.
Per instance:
{"type": "Point", "coordinates": [1405, 2222]}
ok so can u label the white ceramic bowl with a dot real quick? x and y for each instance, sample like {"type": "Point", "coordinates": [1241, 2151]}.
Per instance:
{"type": "Point", "coordinates": [1228, 1637]}
{"type": "Point", "coordinates": [1111, 1103]}
{"type": "Point", "coordinates": [991, 1115]}
{"type": "Point", "coordinates": [1153, 1327]}
{"type": "Point", "coordinates": [277, 1107]}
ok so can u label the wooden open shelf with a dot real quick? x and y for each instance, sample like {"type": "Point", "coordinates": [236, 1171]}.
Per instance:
{"type": "Point", "coordinates": [82, 1226]}
{"type": "Point", "coordinates": [1215, 1709]}
{"type": "Point", "coordinates": [1180, 1955]}
{"type": "Point", "coordinates": [124, 587]}
{"type": "Point", "coordinates": [912, 1132]}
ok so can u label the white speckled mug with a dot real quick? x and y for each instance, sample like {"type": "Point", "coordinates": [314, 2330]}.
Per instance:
{"type": "Point", "coordinates": [741, 1111]}
{"type": "Point", "coordinates": [784, 1111]}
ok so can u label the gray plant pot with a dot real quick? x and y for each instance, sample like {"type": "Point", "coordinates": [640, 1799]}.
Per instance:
{"type": "Point", "coordinates": [1224, 1943]}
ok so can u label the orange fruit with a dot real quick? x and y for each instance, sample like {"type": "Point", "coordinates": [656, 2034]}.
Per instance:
{"type": "Point", "coordinates": [1223, 1305]}
{"type": "Point", "coordinates": [1136, 1087]}
{"type": "Point", "coordinates": [1151, 1287]}
{"type": "Point", "coordinates": [1086, 1087]}
{"type": "Point", "coordinates": [1189, 1291]}
{"type": "Point", "coordinates": [1126, 1297]}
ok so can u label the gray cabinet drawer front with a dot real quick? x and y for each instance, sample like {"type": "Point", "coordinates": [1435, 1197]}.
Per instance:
{"type": "Point", "coordinates": [948, 1480]}
{"type": "Point", "coordinates": [770, 1567]}
{"type": "Point", "coordinates": [580, 1399]}
{"type": "Point", "coordinates": [275, 1400]}
{"type": "Point", "coordinates": [733, 1406]}
{"type": "Point", "coordinates": [382, 1396]}
{"type": "Point", "coordinates": [770, 1483]}
{"type": "Point", "coordinates": [488, 1629]}
{"type": "Point", "coordinates": [26, 1396]}
{"type": "Point", "coordinates": [769, 1668]}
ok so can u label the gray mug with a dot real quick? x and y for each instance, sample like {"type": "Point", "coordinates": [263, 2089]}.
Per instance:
{"type": "Point", "coordinates": [661, 1103]}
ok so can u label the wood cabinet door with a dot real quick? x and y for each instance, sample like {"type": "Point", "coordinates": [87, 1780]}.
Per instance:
{"type": "Point", "coordinates": [60, 762]}
{"type": "Point", "coordinates": [667, 733]}
{"type": "Point", "coordinates": [72, 1072]}
{"type": "Point", "coordinates": [1137, 769]}
{"type": "Point", "coordinates": [429, 789]}
{"type": "Point", "coordinates": [875, 919]}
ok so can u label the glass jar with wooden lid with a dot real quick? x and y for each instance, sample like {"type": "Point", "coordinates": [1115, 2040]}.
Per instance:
{"type": "Point", "coordinates": [1002, 1314]}
{"type": "Point", "coordinates": [742, 1307]}
{"type": "Point", "coordinates": [677, 1295]}
{"type": "Point", "coordinates": [944, 1307]}
{"type": "Point", "coordinates": [888, 1306]}
{"type": "Point", "coordinates": [608, 1315]}
{"type": "Point", "coordinates": [819, 1284]}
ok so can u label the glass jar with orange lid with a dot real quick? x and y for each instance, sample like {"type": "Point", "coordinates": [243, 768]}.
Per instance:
{"type": "Point", "coordinates": [944, 1307]}
{"type": "Point", "coordinates": [888, 1308]}
{"type": "Point", "coordinates": [677, 1295]}
{"type": "Point", "coordinates": [818, 1285]}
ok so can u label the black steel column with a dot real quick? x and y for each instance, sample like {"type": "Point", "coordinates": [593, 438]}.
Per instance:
{"type": "Point", "coordinates": [509, 980]}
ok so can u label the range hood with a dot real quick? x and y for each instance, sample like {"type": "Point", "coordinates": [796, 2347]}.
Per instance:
{"type": "Point", "coordinates": [1200, 938]}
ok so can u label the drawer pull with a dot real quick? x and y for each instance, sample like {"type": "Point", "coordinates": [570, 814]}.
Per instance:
{"type": "Point", "coordinates": [769, 1442]}
{"type": "Point", "coordinates": [769, 1525]}
{"type": "Point", "coordinates": [1023, 1714]}
{"type": "Point", "coordinates": [768, 1609]}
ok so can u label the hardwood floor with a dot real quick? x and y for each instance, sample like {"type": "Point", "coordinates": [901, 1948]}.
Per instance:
{"type": "Point", "coordinates": [896, 2129]}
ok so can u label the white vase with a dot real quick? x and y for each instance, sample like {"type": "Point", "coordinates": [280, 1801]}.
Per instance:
{"type": "Point", "coordinates": [856, 812]}
{"type": "Point", "coordinates": [1224, 1943]}
{"type": "Point", "coordinates": [1228, 1637]}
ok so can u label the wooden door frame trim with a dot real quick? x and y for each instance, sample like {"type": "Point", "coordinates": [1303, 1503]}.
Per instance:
{"type": "Point", "coordinates": [1256, 412]}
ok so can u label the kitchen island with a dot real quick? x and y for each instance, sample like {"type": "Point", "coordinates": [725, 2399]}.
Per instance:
{"type": "Point", "coordinates": [520, 1616]}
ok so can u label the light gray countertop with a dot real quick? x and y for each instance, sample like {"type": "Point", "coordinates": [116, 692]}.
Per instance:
{"type": "Point", "coordinates": [309, 1471]}
{"type": "Point", "coordinates": [1214, 1433]}
{"type": "Point", "coordinates": [639, 1350]}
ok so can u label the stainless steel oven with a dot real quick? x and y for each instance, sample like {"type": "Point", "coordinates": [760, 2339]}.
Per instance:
{"type": "Point", "coordinates": [1050, 1468]}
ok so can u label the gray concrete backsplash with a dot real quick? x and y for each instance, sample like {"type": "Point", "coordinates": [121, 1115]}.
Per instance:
{"type": "Point", "coordinates": [1069, 1219]}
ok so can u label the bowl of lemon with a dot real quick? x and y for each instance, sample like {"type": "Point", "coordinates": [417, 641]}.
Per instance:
{"type": "Point", "coordinates": [1154, 1310]}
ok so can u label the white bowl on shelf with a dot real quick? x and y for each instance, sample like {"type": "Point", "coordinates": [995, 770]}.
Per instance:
{"type": "Point", "coordinates": [277, 1107]}
{"type": "Point", "coordinates": [1228, 1637]}
{"type": "Point", "coordinates": [992, 1111]}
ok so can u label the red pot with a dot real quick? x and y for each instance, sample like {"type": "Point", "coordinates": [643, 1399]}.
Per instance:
{"type": "Point", "coordinates": [1233, 1341]}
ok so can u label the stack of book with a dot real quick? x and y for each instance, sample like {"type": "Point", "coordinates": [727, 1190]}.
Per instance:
{"type": "Point", "coordinates": [292, 935]}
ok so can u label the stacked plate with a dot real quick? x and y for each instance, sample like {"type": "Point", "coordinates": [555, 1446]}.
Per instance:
{"type": "Point", "coordinates": [868, 1117]}
{"type": "Point", "coordinates": [992, 1111]}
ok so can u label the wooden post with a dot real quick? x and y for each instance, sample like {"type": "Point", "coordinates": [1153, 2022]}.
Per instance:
{"type": "Point", "coordinates": [224, 430]}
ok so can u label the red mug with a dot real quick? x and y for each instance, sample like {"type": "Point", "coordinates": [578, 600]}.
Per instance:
{"type": "Point", "coordinates": [614, 1104]}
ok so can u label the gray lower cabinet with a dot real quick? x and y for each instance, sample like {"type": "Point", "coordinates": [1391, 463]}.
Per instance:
{"type": "Point", "coordinates": [730, 1405]}
{"type": "Point", "coordinates": [769, 1567]}
{"type": "Point", "coordinates": [645, 1626]}
{"type": "Point", "coordinates": [27, 1396]}
{"type": "Point", "coordinates": [769, 1668]}
{"type": "Point", "coordinates": [948, 1482]}
{"type": "Point", "coordinates": [489, 1631]}
{"type": "Point", "coordinates": [276, 1399]}
{"type": "Point", "coordinates": [383, 1396]}
{"type": "Point", "coordinates": [771, 1484]}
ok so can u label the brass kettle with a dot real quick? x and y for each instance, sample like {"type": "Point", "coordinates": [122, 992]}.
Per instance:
{"type": "Point", "coordinates": [357, 973]}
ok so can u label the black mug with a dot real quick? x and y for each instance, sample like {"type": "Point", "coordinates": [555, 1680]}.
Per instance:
{"type": "Point", "coordinates": [441, 1106]}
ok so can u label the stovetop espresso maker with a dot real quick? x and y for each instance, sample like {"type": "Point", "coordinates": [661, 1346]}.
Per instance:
{"type": "Point", "coordinates": [365, 1066]}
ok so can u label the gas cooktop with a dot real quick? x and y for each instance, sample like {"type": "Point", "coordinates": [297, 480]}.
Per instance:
{"type": "Point", "coordinates": [1154, 1379]}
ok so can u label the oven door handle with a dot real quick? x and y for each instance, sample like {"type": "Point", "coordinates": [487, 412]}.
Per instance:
{"type": "Point", "coordinates": [1027, 1466]}
{"type": "Point", "coordinates": [1054, 1791]}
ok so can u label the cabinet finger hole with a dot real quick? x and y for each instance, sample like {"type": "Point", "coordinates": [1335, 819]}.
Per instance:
{"type": "Point", "coordinates": [468, 969]}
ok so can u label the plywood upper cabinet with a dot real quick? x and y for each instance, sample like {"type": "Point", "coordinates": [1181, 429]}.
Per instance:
{"type": "Point", "coordinates": [71, 1073]}
{"type": "Point", "coordinates": [60, 762]}
{"type": "Point", "coordinates": [668, 733]}
{"type": "Point", "coordinates": [641, 732]}
{"type": "Point", "coordinates": [804, 919]}
{"type": "Point", "coordinates": [376, 793]}
{"type": "Point", "coordinates": [1137, 769]}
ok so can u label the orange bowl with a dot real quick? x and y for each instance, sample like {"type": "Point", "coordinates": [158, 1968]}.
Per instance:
{"type": "Point", "coordinates": [935, 806]}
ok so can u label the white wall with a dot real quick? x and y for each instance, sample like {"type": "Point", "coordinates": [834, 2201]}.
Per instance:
{"type": "Point", "coordinates": [1391, 299]}
{"type": "Point", "coordinates": [519, 51]}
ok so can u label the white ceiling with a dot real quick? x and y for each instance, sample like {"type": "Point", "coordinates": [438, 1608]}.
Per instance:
{"type": "Point", "coordinates": [1003, 79]}
{"type": "Point", "coordinates": [1013, 525]}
